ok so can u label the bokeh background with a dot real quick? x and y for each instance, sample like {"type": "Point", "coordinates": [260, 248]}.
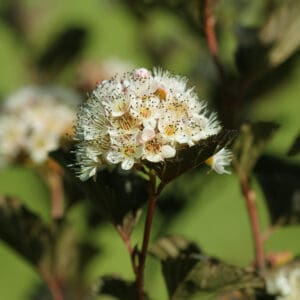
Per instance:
{"type": "Point", "coordinates": [66, 42]}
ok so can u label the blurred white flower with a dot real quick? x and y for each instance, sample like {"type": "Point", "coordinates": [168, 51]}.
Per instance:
{"type": "Point", "coordinates": [284, 282]}
{"type": "Point", "coordinates": [219, 161]}
{"type": "Point", "coordinates": [32, 122]}
{"type": "Point", "coordinates": [140, 115]}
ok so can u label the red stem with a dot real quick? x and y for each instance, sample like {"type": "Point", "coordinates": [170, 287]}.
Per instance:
{"type": "Point", "coordinates": [147, 231]}
{"type": "Point", "coordinates": [209, 23]}
{"type": "Point", "coordinates": [142, 257]}
{"type": "Point", "coordinates": [53, 285]}
{"type": "Point", "coordinates": [250, 198]}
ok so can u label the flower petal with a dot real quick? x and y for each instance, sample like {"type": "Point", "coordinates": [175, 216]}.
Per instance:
{"type": "Point", "coordinates": [127, 164]}
{"type": "Point", "coordinates": [168, 151]}
{"type": "Point", "coordinates": [114, 157]}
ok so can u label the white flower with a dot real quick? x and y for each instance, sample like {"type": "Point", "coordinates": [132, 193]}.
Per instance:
{"type": "Point", "coordinates": [155, 150]}
{"type": "Point", "coordinates": [32, 122]}
{"type": "Point", "coordinates": [124, 149]}
{"type": "Point", "coordinates": [91, 156]}
{"type": "Point", "coordinates": [140, 115]}
{"type": "Point", "coordinates": [284, 283]}
{"type": "Point", "coordinates": [219, 161]}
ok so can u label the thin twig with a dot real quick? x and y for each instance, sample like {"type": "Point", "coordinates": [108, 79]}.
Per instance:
{"type": "Point", "coordinates": [270, 230]}
{"type": "Point", "coordinates": [126, 239]}
{"type": "Point", "coordinates": [209, 22]}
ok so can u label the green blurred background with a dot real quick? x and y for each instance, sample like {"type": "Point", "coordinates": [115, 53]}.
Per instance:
{"type": "Point", "coordinates": [213, 213]}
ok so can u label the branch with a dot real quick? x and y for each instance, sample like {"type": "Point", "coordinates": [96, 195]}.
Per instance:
{"type": "Point", "coordinates": [209, 22]}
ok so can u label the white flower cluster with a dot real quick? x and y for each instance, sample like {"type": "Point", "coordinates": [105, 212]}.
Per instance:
{"type": "Point", "coordinates": [32, 122]}
{"type": "Point", "coordinates": [285, 283]}
{"type": "Point", "coordinates": [139, 115]}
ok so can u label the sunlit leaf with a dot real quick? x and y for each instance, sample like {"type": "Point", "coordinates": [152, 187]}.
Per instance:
{"type": "Point", "coordinates": [188, 158]}
{"type": "Point", "coordinates": [251, 142]}
{"type": "Point", "coordinates": [23, 230]}
{"type": "Point", "coordinates": [281, 185]}
{"type": "Point", "coordinates": [173, 246]}
{"type": "Point", "coordinates": [282, 31]}
{"type": "Point", "coordinates": [264, 48]}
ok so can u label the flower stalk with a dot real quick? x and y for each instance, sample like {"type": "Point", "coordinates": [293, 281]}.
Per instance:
{"type": "Point", "coordinates": [146, 238]}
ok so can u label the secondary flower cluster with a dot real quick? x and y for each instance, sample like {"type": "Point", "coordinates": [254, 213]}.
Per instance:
{"type": "Point", "coordinates": [140, 115]}
{"type": "Point", "coordinates": [32, 122]}
{"type": "Point", "coordinates": [284, 282]}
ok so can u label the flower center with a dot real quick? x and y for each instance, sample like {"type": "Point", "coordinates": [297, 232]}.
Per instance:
{"type": "Point", "coordinates": [126, 122]}
{"type": "Point", "coordinates": [161, 93]}
{"type": "Point", "coordinates": [128, 150]}
{"type": "Point", "coordinates": [153, 146]}
{"type": "Point", "coordinates": [170, 130]}
{"type": "Point", "coordinates": [210, 161]}
{"type": "Point", "coordinates": [145, 112]}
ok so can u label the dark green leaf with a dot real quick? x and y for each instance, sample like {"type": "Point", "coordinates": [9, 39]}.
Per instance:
{"type": "Point", "coordinates": [295, 149]}
{"type": "Point", "coordinates": [114, 195]}
{"type": "Point", "coordinates": [251, 142]}
{"type": "Point", "coordinates": [23, 230]}
{"type": "Point", "coordinates": [251, 55]}
{"type": "Point", "coordinates": [209, 275]}
{"type": "Point", "coordinates": [281, 185]}
{"type": "Point", "coordinates": [188, 272]}
{"type": "Point", "coordinates": [63, 50]}
{"type": "Point", "coordinates": [191, 157]}
{"type": "Point", "coordinates": [117, 288]}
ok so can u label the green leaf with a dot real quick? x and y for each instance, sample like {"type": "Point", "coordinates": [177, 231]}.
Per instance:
{"type": "Point", "coordinates": [188, 158]}
{"type": "Point", "coordinates": [117, 288]}
{"type": "Point", "coordinates": [251, 142]}
{"type": "Point", "coordinates": [62, 50]}
{"type": "Point", "coordinates": [280, 183]}
{"type": "Point", "coordinates": [251, 55]}
{"type": "Point", "coordinates": [23, 230]}
{"type": "Point", "coordinates": [295, 148]}
{"type": "Point", "coordinates": [115, 195]}
{"type": "Point", "coordinates": [188, 272]}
